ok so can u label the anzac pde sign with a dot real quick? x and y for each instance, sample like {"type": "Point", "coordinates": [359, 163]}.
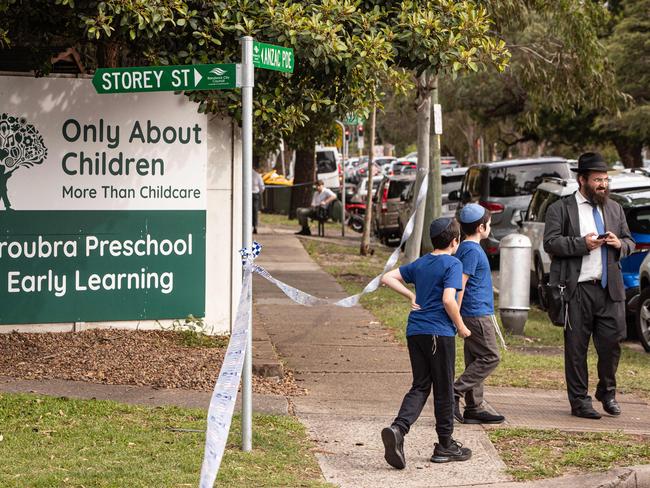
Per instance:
{"type": "Point", "coordinates": [102, 204]}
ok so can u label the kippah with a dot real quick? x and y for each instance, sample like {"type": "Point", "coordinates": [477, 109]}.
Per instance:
{"type": "Point", "coordinates": [471, 213]}
{"type": "Point", "coordinates": [438, 226]}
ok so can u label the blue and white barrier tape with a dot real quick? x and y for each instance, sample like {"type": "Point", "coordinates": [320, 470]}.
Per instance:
{"type": "Point", "coordinates": [222, 403]}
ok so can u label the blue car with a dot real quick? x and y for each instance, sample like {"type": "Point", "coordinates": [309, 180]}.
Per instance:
{"type": "Point", "coordinates": [636, 205]}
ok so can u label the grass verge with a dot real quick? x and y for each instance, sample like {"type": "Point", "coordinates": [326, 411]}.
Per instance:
{"type": "Point", "coordinates": [47, 442]}
{"type": "Point", "coordinates": [532, 361]}
{"type": "Point", "coordinates": [533, 454]}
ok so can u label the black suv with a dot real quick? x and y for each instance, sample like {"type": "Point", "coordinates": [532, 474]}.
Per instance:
{"type": "Point", "coordinates": [505, 189]}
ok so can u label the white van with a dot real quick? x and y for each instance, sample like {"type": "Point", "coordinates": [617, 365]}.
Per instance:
{"type": "Point", "coordinates": [329, 167]}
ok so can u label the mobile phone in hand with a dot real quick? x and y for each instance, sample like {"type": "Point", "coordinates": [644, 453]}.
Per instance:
{"type": "Point", "coordinates": [602, 236]}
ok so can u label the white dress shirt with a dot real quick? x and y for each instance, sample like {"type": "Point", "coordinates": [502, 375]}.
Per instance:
{"type": "Point", "coordinates": [319, 198]}
{"type": "Point", "coordinates": [258, 183]}
{"type": "Point", "coordinates": [592, 263]}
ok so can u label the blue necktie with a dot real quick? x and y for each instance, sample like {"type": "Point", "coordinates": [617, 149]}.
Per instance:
{"type": "Point", "coordinates": [600, 227]}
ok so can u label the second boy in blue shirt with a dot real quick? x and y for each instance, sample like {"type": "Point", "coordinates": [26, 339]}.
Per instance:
{"type": "Point", "coordinates": [477, 309]}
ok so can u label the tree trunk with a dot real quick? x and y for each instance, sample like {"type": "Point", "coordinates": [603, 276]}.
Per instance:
{"type": "Point", "coordinates": [630, 152]}
{"type": "Point", "coordinates": [364, 249]}
{"type": "Point", "coordinates": [304, 177]}
{"type": "Point", "coordinates": [432, 208]}
{"type": "Point", "coordinates": [424, 126]}
{"type": "Point", "coordinates": [108, 53]}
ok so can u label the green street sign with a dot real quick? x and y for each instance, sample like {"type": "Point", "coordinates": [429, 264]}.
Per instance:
{"type": "Point", "coordinates": [352, 119]}
{"type": "Point", "coordinates": [166, 78]}
{"type": "Point", "coordinates": [276, 58]}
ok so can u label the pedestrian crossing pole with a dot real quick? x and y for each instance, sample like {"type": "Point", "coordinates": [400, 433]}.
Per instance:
{"type": "Point", "coordinates": [248, 79]}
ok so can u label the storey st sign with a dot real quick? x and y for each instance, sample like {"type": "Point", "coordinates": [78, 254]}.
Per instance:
{"type": "Point", "coordinates": [166, 78]}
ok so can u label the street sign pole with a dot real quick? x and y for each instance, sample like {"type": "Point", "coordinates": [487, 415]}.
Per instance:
{"type": "Point", "coordinates": [248, 80]}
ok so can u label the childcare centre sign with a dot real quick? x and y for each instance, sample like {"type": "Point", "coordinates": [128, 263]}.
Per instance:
{"type": "Point", "coordinates": [102, 203]}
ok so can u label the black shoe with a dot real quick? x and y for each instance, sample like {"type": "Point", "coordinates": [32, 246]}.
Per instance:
{"type": "Point", "coordinates": [482, 417]}
{"type": "Point", "coordinates": [586, 412]}
{"type": "Point", "coordinates": [304, 232]}
{"type": "Point", "coordinates": [393, 447]}
{"type": "Point", "coordinates": [457, 415]}
{"type": "Point", "coordinates": [455, 452]}
{"type": "Point", "coordinates": [611, 406]}
{"type": "Point", "coordinates": [254, 230]}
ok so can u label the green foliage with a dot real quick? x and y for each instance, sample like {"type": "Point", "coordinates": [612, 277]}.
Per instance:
{"type": "Point", "coordinates": [343, 48]}
{"type": "Point", "coordinates": [558, 69]}
{"type": "Point", "coordinates": [193, 332]}
{"type": "Point", "coordinates": [627, 49]}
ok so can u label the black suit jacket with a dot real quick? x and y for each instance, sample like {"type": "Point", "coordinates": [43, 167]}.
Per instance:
{"type": "Point", "coordinates": [562, 241]}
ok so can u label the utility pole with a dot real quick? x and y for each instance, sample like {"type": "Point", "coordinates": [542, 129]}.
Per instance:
{"type": "Point", "coordinates": [423, 108]}
{"type": "Point", "coordinates": [434, 192]}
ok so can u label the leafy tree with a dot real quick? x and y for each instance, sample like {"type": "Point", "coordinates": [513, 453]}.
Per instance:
{"type": "Point", "coordinates": [338, 49]}
{"type": "Point", "coordinates": [628, 48]}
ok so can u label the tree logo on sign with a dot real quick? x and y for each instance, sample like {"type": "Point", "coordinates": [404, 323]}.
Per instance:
{"type": "Point", "coordinates": [21, 145]}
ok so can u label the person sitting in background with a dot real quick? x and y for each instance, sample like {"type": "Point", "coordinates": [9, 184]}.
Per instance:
{"type": "Point", "coordinates": [257, 189]}
{"type": "Point", "coordinates": [321, 199]}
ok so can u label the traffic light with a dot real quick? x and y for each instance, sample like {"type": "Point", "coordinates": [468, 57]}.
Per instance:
{"type": "Point", "coordinates": [360, 130]}
{"type": "Point", "coordinates": [347, 133]}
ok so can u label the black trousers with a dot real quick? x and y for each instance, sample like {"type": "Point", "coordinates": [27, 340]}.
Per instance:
{"type": "Point", "coordinates": [432, 362]}
{"type": "Point", "coordinates": [592, 313]}
{"type": "Point", "coordinates": [257, 198]}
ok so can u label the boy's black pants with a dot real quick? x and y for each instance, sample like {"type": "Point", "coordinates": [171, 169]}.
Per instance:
{"type": "Point", "coordinates": [432, 362]}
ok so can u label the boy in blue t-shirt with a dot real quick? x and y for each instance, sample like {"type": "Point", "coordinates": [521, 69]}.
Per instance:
{"type": "Point", "coordinates": [430, 335]}
{"type": "Point", "coordinates": [477, 309]}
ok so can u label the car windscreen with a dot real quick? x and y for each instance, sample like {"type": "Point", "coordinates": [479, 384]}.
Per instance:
{"type": "Point", "coordinates": [395, 188]}
{"type": "Point", "coordinates": [639, 220]}
{"type": "Point", "coordinates": [513, 181]}
{"type": "Point", "coordinates": [451, 183]}
{"type": "Point", "coordinates": [326, 161]}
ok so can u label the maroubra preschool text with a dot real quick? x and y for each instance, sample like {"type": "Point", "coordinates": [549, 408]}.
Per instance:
{"type": "Point", "coordinates": [90, 247]}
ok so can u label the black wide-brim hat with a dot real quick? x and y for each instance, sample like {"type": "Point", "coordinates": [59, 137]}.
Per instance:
{"type": "Point", "coordinates": [591, 161]}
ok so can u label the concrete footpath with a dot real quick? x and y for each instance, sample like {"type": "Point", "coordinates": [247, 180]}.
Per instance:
{"type": "Point", "coordinates": [357, 375]}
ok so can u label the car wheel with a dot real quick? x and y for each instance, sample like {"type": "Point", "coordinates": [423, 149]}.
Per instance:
{"type": "Point", "coordinates": [542, 292]}
{"type": "Point", "coordinates": [643, 318]}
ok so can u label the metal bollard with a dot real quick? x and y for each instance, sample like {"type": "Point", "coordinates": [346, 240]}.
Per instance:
{"type": "Point", "coordinates": [514, 282]}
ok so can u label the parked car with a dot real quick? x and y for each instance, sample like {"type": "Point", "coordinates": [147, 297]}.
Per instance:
{"type": "Point", "coordinates": [447, 162]}
{"type": "Point", "coordinates": [642, 321]}
{"type": "Point", "coordinates": [631, 190]}
{"type": "Point", "coordinates": [505, 189]}
{"type": "Point", "coordinates": [451, 181]}
{"type": "Point", "coordinates": [385, 162]}
{"type": "Point", "coordinates": [386, 206]}
{"type": "Point", "coordinates": [362, 190]}
{"type": "Point", "coordinates": [403, 167]}
{"type": "Point", "coordinates": [623, 187]}
{"type": "Point", "coordinates": [329, 167]}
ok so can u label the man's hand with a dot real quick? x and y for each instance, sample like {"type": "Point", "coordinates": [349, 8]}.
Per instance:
{"type": "Point", "coordinates": [593, 243]}
{"type": "Point", "coordinates": [612, 240]}
{"type": "Point", "coordinates": [414, 306]}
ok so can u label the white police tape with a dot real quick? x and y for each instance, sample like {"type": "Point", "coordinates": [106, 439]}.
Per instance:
{"type": "Point", "coordinates": [224, 395]}
{"type": "Point", "coordinates": [222, 403]}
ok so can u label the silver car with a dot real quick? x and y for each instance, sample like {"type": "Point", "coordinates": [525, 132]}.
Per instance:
{"type": "Point", "coordinates": [532, 221]}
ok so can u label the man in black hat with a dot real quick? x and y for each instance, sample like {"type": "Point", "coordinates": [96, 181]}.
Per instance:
{"type": "Point", "coordinates": [587, 235]}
